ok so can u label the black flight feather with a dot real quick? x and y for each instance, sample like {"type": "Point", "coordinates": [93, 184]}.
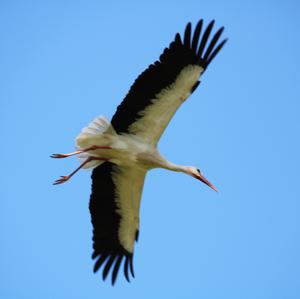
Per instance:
{"type": "Point", "coordinates": [196, 36]}
{"type": "Point", "coordinates": [131, 265]}
{"type": "Point", "coordinates": [216, 51]}
{"type": "Point", "coordinates": [187, 35]}
{"type": "Point", "coordinates": [116, 269]}
{"type": "Point", "coordinates": [100, 261]}
{"type": "Point", "coordinates": [108, 266]}
{"type": "Point", "coordinates": [212, 43]}
{"type": "Point", "coordinates": [205, 38]}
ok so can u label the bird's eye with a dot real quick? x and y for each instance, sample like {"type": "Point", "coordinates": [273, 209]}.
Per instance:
{"type": "Point", "coordinates": [199, 171]}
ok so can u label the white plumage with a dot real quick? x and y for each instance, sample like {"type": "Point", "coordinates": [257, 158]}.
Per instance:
{"type": "Point", "coordinates": [99, 131]}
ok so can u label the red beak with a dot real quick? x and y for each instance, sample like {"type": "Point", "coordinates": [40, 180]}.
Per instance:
{"type": "Point", "coordinates": [205, 181]}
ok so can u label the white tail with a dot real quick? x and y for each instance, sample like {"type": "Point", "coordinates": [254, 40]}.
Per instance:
{"type": "Point", "coordinates": [99, 125]}
{"type": "Point", "coordinates": [95, 133]}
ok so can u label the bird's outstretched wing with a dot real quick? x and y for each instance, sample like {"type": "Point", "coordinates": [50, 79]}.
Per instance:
{"type": "Point", "coordinates": [114, 207]}
{"type": "Point", "coordinates": [159, 91]}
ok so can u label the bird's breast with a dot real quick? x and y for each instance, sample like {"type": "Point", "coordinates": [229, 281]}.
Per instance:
{"type": "Point", "coordinates": [150, 159]}
{"type": "Point", "coordinates": [128, 151]}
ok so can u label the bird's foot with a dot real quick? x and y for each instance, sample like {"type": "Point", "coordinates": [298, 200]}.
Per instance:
{"type": "Point", "coordinates": [62, 180]}
{"type": "Point", "coordinates": [65, 178]}
{"type": "Point", "coordinates": [57, 156]}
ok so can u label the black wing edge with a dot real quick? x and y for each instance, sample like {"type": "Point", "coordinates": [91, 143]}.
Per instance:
{"type": "Point", "coordinates": [112, 261]}
{"type": "Point", "coordinates": [200, 48]}
{"type": "Point", "coordinates": [108, 252]}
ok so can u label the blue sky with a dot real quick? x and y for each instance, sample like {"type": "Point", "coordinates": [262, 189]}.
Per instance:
{"type": "Point", "coordinates": [65, 62]}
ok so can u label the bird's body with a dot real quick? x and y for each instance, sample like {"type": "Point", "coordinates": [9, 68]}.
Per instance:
{"type": "Point", "coordinates": [123, 150]}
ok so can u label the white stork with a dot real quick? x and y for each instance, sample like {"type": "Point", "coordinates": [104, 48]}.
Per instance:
{"type": "Point", "coordinates": [121, 152]}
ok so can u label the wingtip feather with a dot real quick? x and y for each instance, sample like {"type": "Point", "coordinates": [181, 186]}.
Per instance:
{"type": "Point", "coordinates": [126, 265]}
{"type": "Point", "coordinates": [213, 43]}
{"type": "Point", "coordinates": [216, 51]}
{"type": "Point", "coordinates": [116, 269]}
{"type": "Point", "coordinates": [99, 262]}
{"type": "Point", "coordinates": [108, 266]}
{"type": "Point", "coordinates": [131, 265]}
{"type": "Point", "coordinates": [196, 35]}
{"type": "Point", "coordinates": [205, 38]}
{"type": "Point", "coordinates": [187, 35]}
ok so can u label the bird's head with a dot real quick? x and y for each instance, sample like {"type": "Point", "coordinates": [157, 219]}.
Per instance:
{"type": "Point", "coordinates": [197, 174]}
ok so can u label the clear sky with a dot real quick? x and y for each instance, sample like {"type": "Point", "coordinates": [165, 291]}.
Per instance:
{"type": "Point", "coordinates": [64, 62]}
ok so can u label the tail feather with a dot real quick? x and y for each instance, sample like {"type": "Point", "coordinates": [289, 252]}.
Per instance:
{"type": "Point", "coordinates": [95, 133]}
{"type": "Point", "coordinates": [98, 126]}
{"type": "Point", "coordinates": [95, 129]}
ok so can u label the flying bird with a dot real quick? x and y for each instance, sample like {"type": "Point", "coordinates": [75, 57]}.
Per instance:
{"type": "Point", "coordinates": [121, 151]}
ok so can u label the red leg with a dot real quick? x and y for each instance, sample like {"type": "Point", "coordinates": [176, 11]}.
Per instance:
{"type": "Point", "coordinates": [92, 148]}
{"type": "Point", "coordinates": [65, 178]}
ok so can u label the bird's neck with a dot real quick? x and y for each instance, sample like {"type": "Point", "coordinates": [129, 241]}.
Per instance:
{"type": "Point", "coordinates": [175, 167]}
{"type": "Point", "coordinates": [161, 162]}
